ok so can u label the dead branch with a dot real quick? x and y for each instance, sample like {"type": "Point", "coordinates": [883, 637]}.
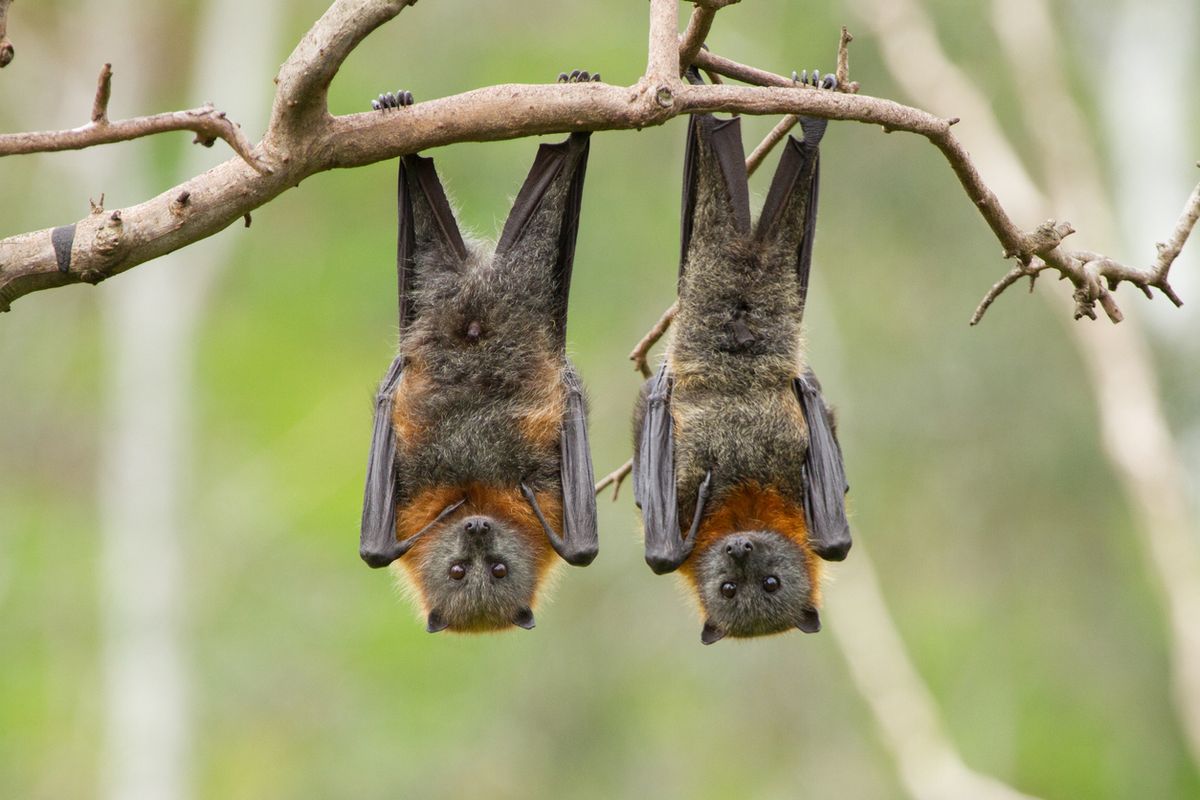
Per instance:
{"type": "Point", "coordinates": [303, 139]}
{"type": "Point", "coordinates": [1093, 275]}
{"type": "Point", "coordinates": [614, 479]}
{"type": "Point", "coordinates": [206, 122]}
{"type": "Point", "coordinates": [7, 53]}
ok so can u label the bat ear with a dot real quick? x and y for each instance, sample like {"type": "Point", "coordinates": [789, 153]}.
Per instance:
{"type": "Point", "coordinates": [711, 633]}
{"type": "Point", "coordinates": [542, 227]}
{"type": "Point", "coordinates": [523, 619]}
{"type": "Point", "coordinates": [716, 196]}
{"type": "Point", "coordinates": [436, 622]}
{"type": "Point", "coordinates": [809, 621]}
{"type": "Point", "coordinates": [426, 226]}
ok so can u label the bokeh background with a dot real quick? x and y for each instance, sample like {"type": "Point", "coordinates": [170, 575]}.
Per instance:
{"type": "Point", "coordinates": [183, 613]}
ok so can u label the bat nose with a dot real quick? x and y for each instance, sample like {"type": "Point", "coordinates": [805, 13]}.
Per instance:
{"type": "Point", "coordinates": [477, 526]}
{"type": "Point", "coordinates": [739, 547]}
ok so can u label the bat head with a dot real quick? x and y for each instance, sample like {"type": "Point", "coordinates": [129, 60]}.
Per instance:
{"type": "Point", "coordinates": [477, 573]}
{"type": "Point", "coordinates": [754, 583]}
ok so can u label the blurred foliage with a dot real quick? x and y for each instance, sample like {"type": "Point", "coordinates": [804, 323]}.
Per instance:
{"type": "Point", "coordinates": [1004, 546]}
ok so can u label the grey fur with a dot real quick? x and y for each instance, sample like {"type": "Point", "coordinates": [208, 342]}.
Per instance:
{"type": "Point", "coordinates": [479, 599]}
{"type": "Point", "coordinates": [482, 351]}
{"type": "Point", "coordinates": [739, 416]}
{"type": "Point", "coordinates": [753, 611]}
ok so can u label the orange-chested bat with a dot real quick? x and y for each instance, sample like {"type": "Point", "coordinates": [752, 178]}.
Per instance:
{"type": "Point", "coordinates": [737, 467]}
{"type": "Point", "coordinates": [479, 471]}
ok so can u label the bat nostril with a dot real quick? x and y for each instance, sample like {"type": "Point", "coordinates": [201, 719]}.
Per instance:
{"type": "Point", "coordinates": [477, 525]}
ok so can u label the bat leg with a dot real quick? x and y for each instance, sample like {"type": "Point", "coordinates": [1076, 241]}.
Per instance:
{"type": "Point", "coordinates": [390, 100]}
{"type": "Point", "coordinates": [578, 76]}
{"type": "Point", "coordinates": [576, 557]}
{"type": "Point", "coordinates": [671, 555]}
{"type": "Point", "coordinates": [381, 558]}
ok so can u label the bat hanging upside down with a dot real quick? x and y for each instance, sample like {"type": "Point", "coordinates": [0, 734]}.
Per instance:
{"type": "Point", "coordinates": [737, 468]}
{"type": "Point", "coordinates": [479, 470]}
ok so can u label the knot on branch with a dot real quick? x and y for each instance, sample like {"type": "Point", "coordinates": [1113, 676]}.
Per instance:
{"type": "Point", "coordinates": [110, 234]}
{"type": "Point", "coordinates": [1042, 240]}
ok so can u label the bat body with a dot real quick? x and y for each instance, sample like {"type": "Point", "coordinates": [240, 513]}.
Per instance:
{"type": "Point", "coordinates": [736, 466]}
{"type": "Point", "coordinates": [479, 471]}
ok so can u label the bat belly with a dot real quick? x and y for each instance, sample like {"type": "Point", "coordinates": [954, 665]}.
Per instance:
{"type": "Point", "coordinates": [750, 437]}
{"type": "Point", "coordinates": [454, 434]}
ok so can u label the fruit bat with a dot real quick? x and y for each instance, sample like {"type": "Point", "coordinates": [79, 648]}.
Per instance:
{"type": "Point", "coordinates": [479, 470]}
{"type": "Point", "coordinates": [737, 467]}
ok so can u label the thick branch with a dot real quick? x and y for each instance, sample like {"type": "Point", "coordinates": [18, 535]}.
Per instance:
{"type": "Point", "coordinates": [304, 78]}
{"type": "Point", "coordinates": [7, 53]}
{"type": "Point", "coordinates": [662, 63]}
{"type": "Point", "coordinates": [206, 122]}
{"type": "Point", "coordinates": [303, 139]}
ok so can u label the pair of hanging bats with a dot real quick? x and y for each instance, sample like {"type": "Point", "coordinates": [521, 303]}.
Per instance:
{"type": "Point", "coordinates": [479, 476]}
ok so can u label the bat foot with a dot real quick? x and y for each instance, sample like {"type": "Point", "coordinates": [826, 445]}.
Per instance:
{"type": "Point", "coordinates": [390, 100]}
{"type": "Point", "coordinates": [815, 79]}
{"type": "Point", "coordinates": [578, 76]}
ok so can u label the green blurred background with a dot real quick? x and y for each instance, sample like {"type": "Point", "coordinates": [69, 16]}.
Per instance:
{"type": "Point", "coordinates": [1009, 559]}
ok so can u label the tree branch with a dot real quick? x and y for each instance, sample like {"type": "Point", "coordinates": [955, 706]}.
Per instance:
{"type": "Point", "coordinates": [7, 53]}
{"type": "Point", "coordinates": [206, 122]}
{"type": "Point", "coordinates": [303, 139]}
{"type": "Point", "coordinates": [1034, 250]}
{"type": "Point", "coordinates": [301, 104]}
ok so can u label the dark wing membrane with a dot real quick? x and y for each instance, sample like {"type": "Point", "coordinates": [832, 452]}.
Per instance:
{"type": "Point", "coordinates": [536, 226]}
{"type": "Point", "coordinates": [654, 481]}
{"type": "Point", "coordinates": [377, 543]}
{"type": "Point", "coordinates": [789, 215]}
{"type": "Point", "coordinates": [825, 483]}
{"type": "Point", "coordinates": [580, 540]}
{"type": "Point", "coordinates": [425, 223]}
{"type": "Point", "coordinates": [716, 195]}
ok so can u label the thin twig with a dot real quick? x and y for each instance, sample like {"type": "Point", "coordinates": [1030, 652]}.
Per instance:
{"type": "Point", "coordinates": [7, 52]}
{"type": "Point", "coordinates": [755, 159]}
{"type": "Point", "coordinates": [206, 122]}
{"type": "Point", "coordinates": [614, 479]}
{"type": "Point", "coordinates": [699, 24]}
{"type": "Point", "coordinates": [638, 355]}
{"type": "Point", "coordinates": [842, 71]}
{"type": "Point", "coordinates": [103, 92]}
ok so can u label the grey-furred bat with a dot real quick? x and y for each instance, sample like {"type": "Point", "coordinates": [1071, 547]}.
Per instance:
{"type": "Point", "coordinates": [737, 466]}
{"type": "Point", "coordinates": [479, 476]}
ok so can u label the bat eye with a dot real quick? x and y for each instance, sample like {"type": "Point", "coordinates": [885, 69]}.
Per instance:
{"type": "Point", "coordinates": [458, 572]}
{"type": "Point", "coordinates": [770, 584]}
{"type": "Point", "coordinates": [728, 589]}
{"type": "Point", "coordinates": [499, 570]}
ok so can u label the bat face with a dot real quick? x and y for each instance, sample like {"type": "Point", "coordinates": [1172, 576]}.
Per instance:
{"type": "Point", "coordinates": [477, 572]}
{"type": "Point", "coordinates": [754, 583]}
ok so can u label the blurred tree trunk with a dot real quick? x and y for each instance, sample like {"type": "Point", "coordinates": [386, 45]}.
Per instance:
{"type": "Point", "coordinates": [1136, 437]}
{"type": "Point", "coordinates": [150, 325]}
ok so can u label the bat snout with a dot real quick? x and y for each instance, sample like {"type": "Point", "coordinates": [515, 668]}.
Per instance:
{"type": "Point", "coordinates": [739, 548]}
{"type": "Point", "coordinates": [476, 526]}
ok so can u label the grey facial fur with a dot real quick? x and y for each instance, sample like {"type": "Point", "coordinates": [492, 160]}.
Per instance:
{"type": "Point", "coordinates": [746, 560]}
{"type": "Point", "coordinates": [479, 599]}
